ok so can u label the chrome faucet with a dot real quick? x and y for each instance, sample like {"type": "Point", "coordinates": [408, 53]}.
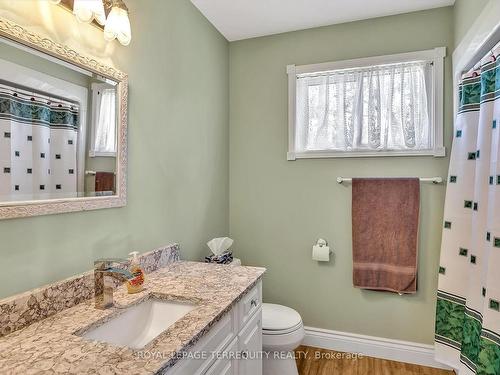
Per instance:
{"type": "Point", "coordinates": [102, 268]}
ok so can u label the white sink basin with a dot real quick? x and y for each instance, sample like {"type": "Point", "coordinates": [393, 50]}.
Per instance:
{"type": "Point", "coordinates": [140, 324]}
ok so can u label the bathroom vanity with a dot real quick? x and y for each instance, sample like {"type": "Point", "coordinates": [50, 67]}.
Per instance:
{"type": "Point", "coordinates": [211, 317]}
{"type": "Point", "coordinates": [233, 345]}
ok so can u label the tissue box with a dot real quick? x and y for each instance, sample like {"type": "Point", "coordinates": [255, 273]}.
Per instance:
{"type": "Point", "coordinates": [225, 258]}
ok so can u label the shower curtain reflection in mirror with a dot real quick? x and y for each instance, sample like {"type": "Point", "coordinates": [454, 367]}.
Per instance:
{"type": "Point", "coordinates": [38, 145]}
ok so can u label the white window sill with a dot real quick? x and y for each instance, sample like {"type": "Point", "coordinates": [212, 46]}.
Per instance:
{"type": "Point", "coordinates": [440, 152]}
{"type": "Point", "coordinates": [94, 154]}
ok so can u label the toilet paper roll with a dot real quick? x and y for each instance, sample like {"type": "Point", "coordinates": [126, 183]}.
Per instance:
{"type": "Point", "coordinates": [321, 253]}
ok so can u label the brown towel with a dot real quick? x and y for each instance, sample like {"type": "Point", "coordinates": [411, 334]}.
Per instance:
{"type": "Point", "coordinates": [104, 181]}
{"type": "Point", "coordinates": [384, 233]}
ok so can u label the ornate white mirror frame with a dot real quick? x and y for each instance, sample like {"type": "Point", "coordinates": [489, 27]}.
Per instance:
{"type": "Point", "coordinates": [8, 210]}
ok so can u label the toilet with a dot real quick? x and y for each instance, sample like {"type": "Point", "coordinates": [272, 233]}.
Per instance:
{"type": "Point", "coordinates": [282, 332]}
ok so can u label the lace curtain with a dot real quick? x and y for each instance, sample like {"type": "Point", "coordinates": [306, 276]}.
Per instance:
{"type": "Point", "coordinates": [105, 126]}
{"type": "Point", "coordinates": [370, 109]}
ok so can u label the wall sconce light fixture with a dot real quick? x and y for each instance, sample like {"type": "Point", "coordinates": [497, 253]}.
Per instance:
{"type": "Point", "coordinates": [118, 24]}
{"type": "Point", "coordinates": [88, 10]}
{"type": "Point", "coordinates": [110, 15]}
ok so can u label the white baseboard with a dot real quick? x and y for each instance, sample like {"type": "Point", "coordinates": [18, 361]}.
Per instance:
{"type": "Point", "coordinates": [395, 350]}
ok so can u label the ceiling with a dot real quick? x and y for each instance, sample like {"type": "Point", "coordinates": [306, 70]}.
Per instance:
{"type": "Point", "coordinates": [242, 19]}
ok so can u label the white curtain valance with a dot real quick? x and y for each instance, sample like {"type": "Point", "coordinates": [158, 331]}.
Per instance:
{"type": "Point", "coordinates": [105, 127]}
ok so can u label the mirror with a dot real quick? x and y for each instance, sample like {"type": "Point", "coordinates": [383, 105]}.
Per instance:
{"type": "Point", "coordinates": [62, 129]}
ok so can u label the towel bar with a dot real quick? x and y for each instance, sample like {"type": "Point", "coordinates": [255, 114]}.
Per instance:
{"type": "Point", "coordinates": [434, 180]}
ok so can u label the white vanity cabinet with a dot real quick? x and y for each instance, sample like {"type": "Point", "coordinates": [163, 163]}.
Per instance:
{"type": "Point", "coordinates": [232, 346]}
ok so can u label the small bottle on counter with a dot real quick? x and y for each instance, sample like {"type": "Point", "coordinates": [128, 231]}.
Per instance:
{"type": "Point", "coordinates": [136, 284]}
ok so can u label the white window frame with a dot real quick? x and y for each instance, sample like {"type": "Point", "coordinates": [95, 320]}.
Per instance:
{"type": "Point", "coordinates": [434, 56]}
{"type": "Point", "coordinates": [95, 87]}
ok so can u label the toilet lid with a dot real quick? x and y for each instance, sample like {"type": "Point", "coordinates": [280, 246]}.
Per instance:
{"type": "Point", "coordinates": [279, 318]}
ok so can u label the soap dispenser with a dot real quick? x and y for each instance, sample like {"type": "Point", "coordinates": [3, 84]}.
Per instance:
{"type": "Point", "coordinates": [135, 284]}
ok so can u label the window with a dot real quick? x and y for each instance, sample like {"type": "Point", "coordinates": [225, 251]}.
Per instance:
{"type": "Point", "coordinates": [103, 140]}
{"type": "Point", "coordinates": [377, 106]}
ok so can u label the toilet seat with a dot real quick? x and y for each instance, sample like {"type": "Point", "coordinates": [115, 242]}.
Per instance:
{"type": "Point", "coordinates": [282, 331]}
{"type": "Point", "coordinates": [279, 320]}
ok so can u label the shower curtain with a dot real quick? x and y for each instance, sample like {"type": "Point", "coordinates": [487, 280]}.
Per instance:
{"type": "Point", "coordinates": [38, 145]}
{"type": "Point", "coordinates": [467, 334]}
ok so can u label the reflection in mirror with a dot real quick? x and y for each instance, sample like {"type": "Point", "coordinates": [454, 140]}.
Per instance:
{"type": "Point", "coordinates": [58, 128]}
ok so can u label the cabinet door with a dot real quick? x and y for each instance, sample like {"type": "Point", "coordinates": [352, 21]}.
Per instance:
{"type": "Point", "coordinates": [215, 340]}
{"type": "Point", "coordinates": [250, 342]}
{"type": "Point", "coordinates": [249, 304]}
{"type": "Point", "coordinates": [226, 363]}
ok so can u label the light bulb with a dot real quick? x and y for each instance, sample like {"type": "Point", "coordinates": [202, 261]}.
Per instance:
{"type": "Point", "coordinates": [99, 14]}
{"type": "Point", "coordinates": [118, 26]}
{"type": "Point", "coordinates": [87, 10]}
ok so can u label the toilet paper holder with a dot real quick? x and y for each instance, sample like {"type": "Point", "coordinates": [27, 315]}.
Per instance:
{"type": "Point", "coordinates": [321, 242]}
{"type": "Point", "coordinates": [321, 255]}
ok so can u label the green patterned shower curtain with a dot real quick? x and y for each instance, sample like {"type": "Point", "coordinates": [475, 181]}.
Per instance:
{"type": "Point", "coordinates": [467, 335]}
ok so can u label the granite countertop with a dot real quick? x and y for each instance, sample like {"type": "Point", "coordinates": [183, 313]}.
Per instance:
{"type": "Point", "coordinates": [53, 345]}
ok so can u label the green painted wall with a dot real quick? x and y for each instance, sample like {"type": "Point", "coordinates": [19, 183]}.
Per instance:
{"type": "Point", "coordinates": [279, 208]}
{"type": "Point", "coordinates": [465, 13]}
{"type": "Point", "coordinates": [178, 145]}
